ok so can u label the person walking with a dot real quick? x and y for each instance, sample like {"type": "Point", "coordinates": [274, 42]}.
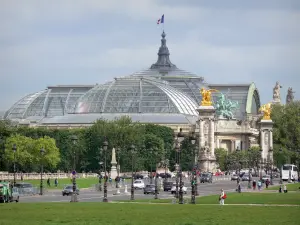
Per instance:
{"type": "Point", "coordinates": [285, 189]}
{"type": "Point", "coordinates": [222, 197]}
{"type": "Point", "coordinates": [267, 183]}
{"type": "Point", "coordinates": [254, 185]}
{"type": "Point", "coordinates": [259, 185]}
{"type": "Point", "coordinates": [55, 182]}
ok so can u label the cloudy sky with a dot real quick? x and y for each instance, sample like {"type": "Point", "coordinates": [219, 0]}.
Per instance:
{"type": "Point", "coordinates": [91, 41]}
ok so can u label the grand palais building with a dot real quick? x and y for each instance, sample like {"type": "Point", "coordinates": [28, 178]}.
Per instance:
{"type": "Point", "coordinates": [162, 94]}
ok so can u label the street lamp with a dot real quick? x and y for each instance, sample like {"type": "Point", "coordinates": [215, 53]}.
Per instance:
{"type": "Point", "coordinates": [280, 169]}
{"type": "Point", "coordinates": [74, 193]}
{"type": "Point", "coordinates": [151, 173]}
{"type": "Point", "coordinates": [132, 169]}
{"type": "Point", "coordinates": [2, 151]}
{"type": "Point", "coordinates": [271, 165]}
{"type": "Point", "coordinates": [260, 164]}
{"type": "Point", "coordinates": [194, 175]}
{"type": "Point", "coordinates": [180, 138]}
{"type": "Point", "coordinates": [14, 148]}
{"type": "Point", "coordinates": [177, 149]}
{"type": "Point", "coordinates": [118, 167]}
{"type": "Point", "coordinates": [42, 168]}
{"type": "Point", "coordinates": [105, 144]}
{"type": "Point", "coordinates": [249, 170]}
{"type": "Point", "coordinates": [156, 177]}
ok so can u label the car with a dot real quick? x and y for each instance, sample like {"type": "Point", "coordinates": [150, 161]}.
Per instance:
{"type": "Point", "coordinates": [150, 189]}
{"type": "Point", "coordinates": [167, 186]}
{"type": "Point", "coordinates": [206, 177]}
{"type": "Point", "coordinates": [173, 190]}
{"type": "Point", "coordinates": [138, 176]}
{"type": "Point", "coordinates": [138, 184]}
{"type": "Point", "coordinates": [246, 177]}
{"type": "Point", "coordinates": [68, 190]}
{"type": "Point", "coordinates": [164, 175]}
{"type": "Point", "coordinates": [234, 177]}
{"type": "Point", "coordinates": [265, 178]}
{"type": "Point", "coordinates": [25, 188]}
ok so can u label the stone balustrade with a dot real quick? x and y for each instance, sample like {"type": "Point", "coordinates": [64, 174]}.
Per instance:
{"type": "Point", "coordinates": [37, 176]}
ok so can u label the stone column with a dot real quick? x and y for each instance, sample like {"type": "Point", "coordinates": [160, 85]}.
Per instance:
{"type": "Point", "coordinates": [266, 127]}
{"type": "Point", "coordinates": [212, 136]}
{"type": "Point", "coordinates": [201, 131]}
{"type": "Point", "coordinates": [113, 170]}
{"type": "Point", "coordinates": [232, 146]}
{"type": "Point", "coordinates": [207, 158]}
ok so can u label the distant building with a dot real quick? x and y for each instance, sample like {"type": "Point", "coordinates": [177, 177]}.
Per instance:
{"type": "Point", "coordinates": [162, 94]}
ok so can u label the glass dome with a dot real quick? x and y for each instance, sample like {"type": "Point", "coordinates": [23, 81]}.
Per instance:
{"type": "Point", "coordinates": [136, 95]}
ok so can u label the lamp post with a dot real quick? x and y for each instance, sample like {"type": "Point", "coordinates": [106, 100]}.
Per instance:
{"type": "Point", "coordinates": [2, 151]}
{"type": "Point", "coordinates": [105, 144]}
{"type": "Point", "coordinates": [180, 138]}
{"type": "Point", "coordinates": [42, 168]}
{"type": "Point", "coordinates": [280, 169]}
{"type": "Point", "coordinates": [177, 148]}
{"type": "Point", "coordinates": [151, 174]}
{"type": "Point", "coordinates": [14, 148]}
{"type": "Point", "coordinates": [118, 167]}
{"type": "Point", "coordinates": [74, 193]}
{"type": "Point", "coordinates": [166, 167]}
{"type": "Point", "coordinates": [156, 177]}
{"type": "Point", "coordinates": [132, 169]}
{"type": "Point", "coordinates": [194, 174]}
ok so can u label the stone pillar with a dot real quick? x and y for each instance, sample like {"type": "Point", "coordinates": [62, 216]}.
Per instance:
{"type": "Point", "coordinates": [113, 170]}
{"type": "Point", "coordinates": [218, 143]}
{"type": "Point", "coordinates": [212, 136]}
{"type": "Point", "coordinates": [266, 138]}
{"type": "Point", "coordinates": [207, 150]}
{"type": "Point", "coordinates": [232, 146]}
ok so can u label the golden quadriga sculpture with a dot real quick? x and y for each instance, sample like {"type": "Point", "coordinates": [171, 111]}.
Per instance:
{"type": "Point", "coordinates": [206, 96]}
{"type": "Point", "coordinates": [266, 110]}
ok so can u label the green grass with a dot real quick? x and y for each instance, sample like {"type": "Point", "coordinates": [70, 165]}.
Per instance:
{"type": "Point", "coordinates": [143, 214]}
{"type": "Point", "coordinates": [242, 198]}
{"type": "Point", "coordinates": [81, 182]}
{"type": "Point", "coordinates": [290, 187]}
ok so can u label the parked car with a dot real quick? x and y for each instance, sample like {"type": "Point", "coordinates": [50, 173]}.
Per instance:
{"type": "Point", "coordinates": [206, 177]}
{"type": "Point", "coordinates": [173, 190]}
{"type": "Point", "coordinates": [68, 190]}
{"type": "Point", "coordinates": [168, 186]}
{"type": "Point", "coordinates": [138, 184]}
{"type": "Point", "coordinates": [150, 189]}
{"type": "Point", "coordinates": [246, 177]}
{"type": "Point", "coordinates": [234, 177]}
{"type": "Point", "coordinates": [25, 188]}
{"type": "Point", "coordinates": [266, 177]}
{"type": "Point", "coordinates": [138, 176]}
{"type": "Point", "coordinates": [164, 175]}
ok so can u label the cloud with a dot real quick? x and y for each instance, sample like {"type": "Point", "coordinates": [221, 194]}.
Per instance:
{"type": "Point", "coordinates": [93, 41]}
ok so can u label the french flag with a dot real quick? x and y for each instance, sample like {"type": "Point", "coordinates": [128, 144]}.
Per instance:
{"type": "Point", "coordinates": [161, 20]}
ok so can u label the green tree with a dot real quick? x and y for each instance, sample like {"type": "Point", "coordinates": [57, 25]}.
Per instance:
{"type": "Point", "coordinates": [28, 155]}
{"type": "Point", "coordinates": [286, 131]}
{"type": "Point", "coordinates": [221, 155]}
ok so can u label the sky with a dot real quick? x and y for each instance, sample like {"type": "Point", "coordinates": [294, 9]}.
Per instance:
{"type": "Point", "coordinates": [46, 43]}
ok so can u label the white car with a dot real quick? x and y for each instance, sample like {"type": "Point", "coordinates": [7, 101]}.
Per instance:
{"type": "Point", "coordinates": [173, 190]}
{"type": "Point", "coordinates": [138, 184]}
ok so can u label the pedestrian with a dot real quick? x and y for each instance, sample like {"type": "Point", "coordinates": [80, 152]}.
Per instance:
{"type": "Point", "coordinates": [222, 197]}
{"type": "Point", "coordinates": [48, 182]}
{"type": "Point", "coordinates": [239, 188]}
{"type": "Point", "coordinates": [259, 185]}
{"type": "Point", "coordinates": [254, 184]}
{"type": "Point", "coordinates": [267, 183]}
{"type": "Point", "coordinates": [280, 189]}
{"type": "Point", "coordinates": [56, 182]}
{"type": "Point", "coordinates": [285, 189]}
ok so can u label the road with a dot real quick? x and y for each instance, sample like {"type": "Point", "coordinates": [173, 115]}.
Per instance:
{"type": "Point", "coordinates": [91, 195]}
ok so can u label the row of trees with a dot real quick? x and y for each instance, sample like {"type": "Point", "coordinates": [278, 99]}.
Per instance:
{"type": "Point", "coordinates": [153, 144]}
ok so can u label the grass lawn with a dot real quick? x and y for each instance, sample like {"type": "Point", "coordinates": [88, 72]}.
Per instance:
{"type": "Point", "coordinates": [81, 182]}
{"type": "Point", "coordinates": [290, 187]}
{"type": "Point", "coordinates": [143, 214]}
{"type": "Point", "coordinates": [243, 198]}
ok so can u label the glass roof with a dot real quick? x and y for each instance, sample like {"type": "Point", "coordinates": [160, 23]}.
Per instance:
{"type": "Point", "coordinates": [136, 95]}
